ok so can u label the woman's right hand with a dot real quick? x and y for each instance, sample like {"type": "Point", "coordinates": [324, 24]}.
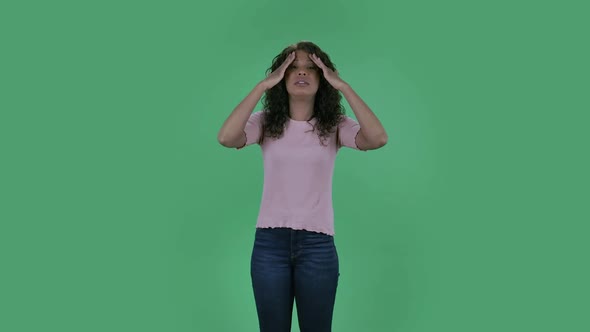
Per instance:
{"type": "Point", "coordinates": [276, 76]}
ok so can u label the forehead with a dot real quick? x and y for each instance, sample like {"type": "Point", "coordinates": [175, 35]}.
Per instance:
{"type": "Point", "coordinates": [301, 55]}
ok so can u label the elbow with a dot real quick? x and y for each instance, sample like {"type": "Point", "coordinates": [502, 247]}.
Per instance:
{"type": "Point", "coordinates": [379, 142]}
{"type": "Point", "coordinates": [222, 142]}
{"type": "Point", "coordinates": [228, 142]}
{"type": "Point", "coordinates": [383, 140]}
{"type": "Point", "coordinates": [374, 142]}
{"type": "Point", "coordinates": [222, 139]}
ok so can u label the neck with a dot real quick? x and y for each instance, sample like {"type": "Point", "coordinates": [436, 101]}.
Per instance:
{"type": "Point", "coordinates": [301, 108]}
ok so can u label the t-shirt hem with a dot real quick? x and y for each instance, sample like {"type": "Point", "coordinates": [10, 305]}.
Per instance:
{"type": "Point", "coordinates": [262, 224]}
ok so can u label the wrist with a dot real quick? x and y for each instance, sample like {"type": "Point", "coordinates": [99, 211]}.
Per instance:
{"type": "Point", "coordinates": [344, 86]}
{"type": "Point", "coordinates": [261, 86]}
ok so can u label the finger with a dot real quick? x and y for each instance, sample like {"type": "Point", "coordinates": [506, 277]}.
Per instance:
{"type": "Point", "coordinates": [317, 60]}
{"type": "Point", "coordinates": [314, 59]}
{"type": "Point", "coordinates": [283, 68]}
{"type": "Point", "coordinates": [288, 60]}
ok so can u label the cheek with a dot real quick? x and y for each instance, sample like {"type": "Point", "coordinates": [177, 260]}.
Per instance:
{"type": "Point", "coordinates": [316, 77]}
{"type": "Point", "coordinates": [317, 81]}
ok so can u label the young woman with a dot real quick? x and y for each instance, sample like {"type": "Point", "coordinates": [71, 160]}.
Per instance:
{"type": "Point", "coordinates": [300, 129]}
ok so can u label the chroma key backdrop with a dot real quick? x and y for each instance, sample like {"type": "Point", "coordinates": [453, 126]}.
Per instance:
{"type": "Point", "coordinates": [121, 212]}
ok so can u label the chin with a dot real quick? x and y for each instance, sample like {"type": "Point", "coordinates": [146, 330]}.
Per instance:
{"type": "Point", "coordinates": [300, 93]}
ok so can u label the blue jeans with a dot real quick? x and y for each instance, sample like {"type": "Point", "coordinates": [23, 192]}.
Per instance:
{"type": "Point", "coordinates": [292, 264]}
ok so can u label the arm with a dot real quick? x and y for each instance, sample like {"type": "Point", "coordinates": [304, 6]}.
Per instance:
{"type": "Point", "coordinates": [232, 134]}
{"type": "Point", "coordinates": [372, 135]}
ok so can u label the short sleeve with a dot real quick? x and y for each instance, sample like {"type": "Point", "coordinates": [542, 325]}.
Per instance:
{"type": "Point", "coordinates": [348, 130]}
{"type": "Point", "coordinates": [253, 129]}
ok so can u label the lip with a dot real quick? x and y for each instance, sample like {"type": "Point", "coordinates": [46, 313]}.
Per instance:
{"type": "Point", "coordinates": [301, 80]}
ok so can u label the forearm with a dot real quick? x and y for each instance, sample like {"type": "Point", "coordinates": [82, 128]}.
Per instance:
{"type": "Point", "coordinates": [371, 127]}
{"type": "Point", "coordinates": [233, 127]}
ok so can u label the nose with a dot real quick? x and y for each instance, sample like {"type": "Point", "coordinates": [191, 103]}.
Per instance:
{"type": "Point", "coordinates": [302, 73]}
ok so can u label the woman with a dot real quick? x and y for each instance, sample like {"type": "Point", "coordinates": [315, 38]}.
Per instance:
{"type": "Point", "coordinates": [300, 129]}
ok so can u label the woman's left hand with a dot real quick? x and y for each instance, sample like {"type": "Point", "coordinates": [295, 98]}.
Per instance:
{"type": "Point", "coordinates": [330, 75]}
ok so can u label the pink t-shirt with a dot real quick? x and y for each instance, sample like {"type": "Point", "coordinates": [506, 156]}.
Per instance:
{"type": "Point", "coordinates": [297, 191]}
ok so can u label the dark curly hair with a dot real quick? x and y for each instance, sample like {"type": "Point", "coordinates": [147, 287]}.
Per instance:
{"type": "Point", "coordinates": [327, 107]}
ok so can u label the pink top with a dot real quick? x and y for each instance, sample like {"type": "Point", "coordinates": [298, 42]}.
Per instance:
{"type": "Point", "coordinates": [297, 191]}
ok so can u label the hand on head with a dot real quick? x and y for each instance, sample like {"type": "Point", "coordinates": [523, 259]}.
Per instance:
{"type": "Point", "coordinates": [277, 75]}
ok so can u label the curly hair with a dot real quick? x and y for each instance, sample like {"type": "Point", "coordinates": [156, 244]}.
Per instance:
{"type": "Point", "coordinates": [327, 107]}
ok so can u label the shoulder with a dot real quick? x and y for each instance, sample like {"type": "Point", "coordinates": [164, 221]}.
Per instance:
{"type": "Point", "coordinates": [348, 129]}
{"type": "Point", "coordinates": [256, 117]}
{"type": "Point", "coordinates": [347, 122]}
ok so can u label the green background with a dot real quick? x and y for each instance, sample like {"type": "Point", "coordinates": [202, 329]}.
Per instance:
{"type": "Point", "coordinates": [121, 212]}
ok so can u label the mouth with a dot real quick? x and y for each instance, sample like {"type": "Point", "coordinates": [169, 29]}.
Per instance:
{"type": "Point", "coordinates": [301, 83]}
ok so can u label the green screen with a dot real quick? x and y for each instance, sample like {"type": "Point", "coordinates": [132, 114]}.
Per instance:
{"type": "Point", "coordinates": [120, 211]}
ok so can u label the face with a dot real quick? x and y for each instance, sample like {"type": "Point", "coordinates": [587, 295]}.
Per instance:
{"type": "Point", "coordinates": [302, 78]}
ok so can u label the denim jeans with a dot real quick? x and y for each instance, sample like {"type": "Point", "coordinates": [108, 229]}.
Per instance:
{"type": "Point", "coordinates": [298, 265]}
